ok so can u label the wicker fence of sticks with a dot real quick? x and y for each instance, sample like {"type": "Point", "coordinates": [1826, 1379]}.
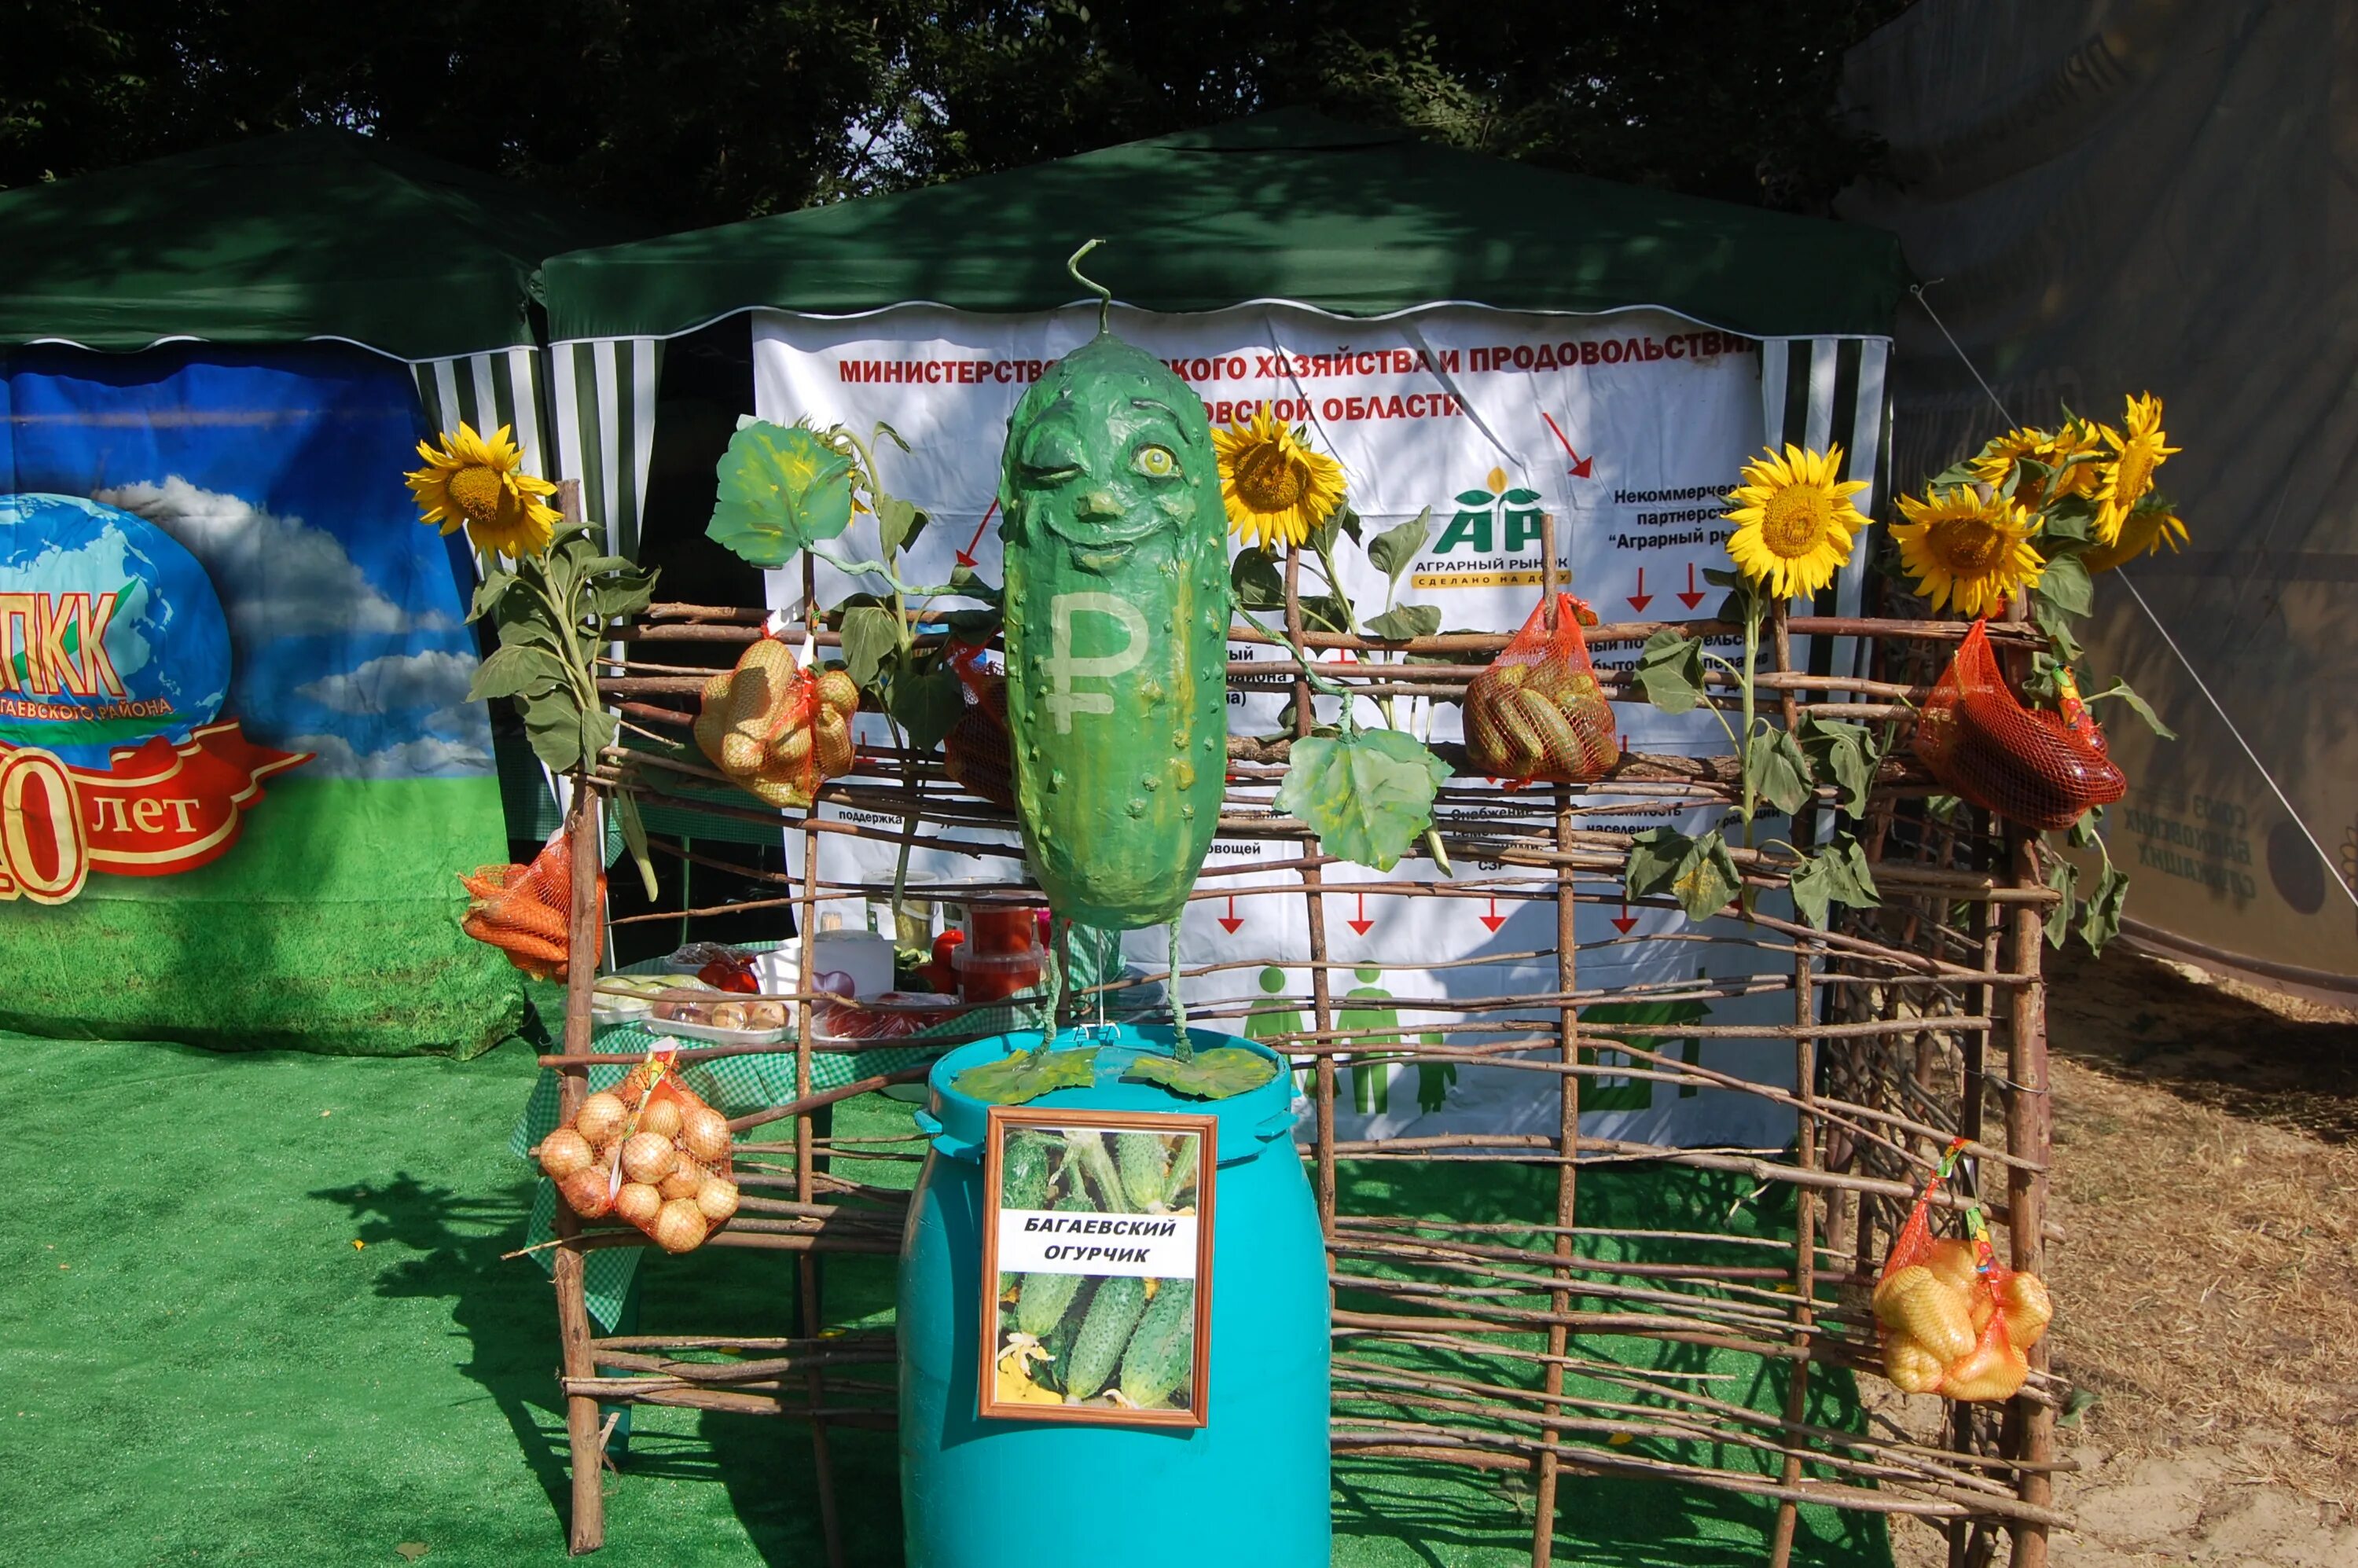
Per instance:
{"type": "Point", "coordinates": [1486, 1343]}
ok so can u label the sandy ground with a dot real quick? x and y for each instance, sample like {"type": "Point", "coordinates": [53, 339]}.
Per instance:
{"type": "Point", "coordinates": [2207, 1140]}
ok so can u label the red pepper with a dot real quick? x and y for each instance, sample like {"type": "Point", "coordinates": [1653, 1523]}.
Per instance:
{"type": "Point", "coordinates": [721, 974]}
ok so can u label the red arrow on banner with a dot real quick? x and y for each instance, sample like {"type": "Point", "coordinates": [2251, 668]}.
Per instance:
{"type": "Point", "coordinates": [1362, 923]}
{"type": "Point", "coordinates": [966, 557]}
{"type": "Point", "coordinates": [1580, 465]}
{"type": "Point", "coordinates": [1624, 921]}
{"type": "Point", "coordinates": [1639, 600]}
{"type": "Point", "coordinates": [1692, 597]}
{"type": "Point", "coordinates": [1230, 922]}
{"type": "Point", "coordinates": [1494, 919]}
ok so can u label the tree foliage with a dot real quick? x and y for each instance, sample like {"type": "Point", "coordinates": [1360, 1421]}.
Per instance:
{"type": "Point", "coordinates": [701, 112]}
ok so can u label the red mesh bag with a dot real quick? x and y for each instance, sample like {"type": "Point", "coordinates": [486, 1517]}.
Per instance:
{"type": "Point", "coordinates": [650, 1151]}
{"type": "Point", "coordinates": [2036, 768]}
{"type": "Point", "coordinates": [975, 754]}
{"type": "Point", "coordinates": [1952, 1320]}
{"type": "Point", "coordinates": [1536, 713]}
{"type": "Point", "coordinates": [777, 729]}
{"type": "Point", "coordinates": [521, 910]}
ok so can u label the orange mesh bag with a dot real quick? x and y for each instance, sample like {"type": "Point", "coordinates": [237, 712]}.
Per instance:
{"type": "Point", "coordinates": [975, 752]}
{"type": "Point", "coordinates": [1952, 1320]}
{"type": "Point", "coordinates": [521, 910]}
{"type": "Point", "coordinates": [1536, 713]}
{"type": "Point", "coordinates": [777, 729]}
{"type": "Point", "coordinates": [2036, 768]}
{"type": "Point", "coordinates": [650, 1151]}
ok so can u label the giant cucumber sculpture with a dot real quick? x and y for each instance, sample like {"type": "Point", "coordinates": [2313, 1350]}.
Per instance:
{"type": "Point", "coordinates": [1117, 620]}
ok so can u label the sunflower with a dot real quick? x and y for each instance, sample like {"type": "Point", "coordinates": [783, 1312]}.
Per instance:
{"type": "Point", "coordinates": [2071, 453]}
{"type": "Point", "coordinates": [2149, 529]}
{"type": "Point", "coordinates": [480, 485]}
{"type": "Point", "coordinates": [2123, 482]}
{"type": "Point", "coordinates": [1966, 547]}
{"type": "Point", "coordinates": [1794, 519]}
{"type": "Point", "coordinates": [1273, 485]}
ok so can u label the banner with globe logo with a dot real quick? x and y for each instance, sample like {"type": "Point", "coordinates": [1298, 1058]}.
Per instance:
{"type": "Point", "coordinates": [237, 764]}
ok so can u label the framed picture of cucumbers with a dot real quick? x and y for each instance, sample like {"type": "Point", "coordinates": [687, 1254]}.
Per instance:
{"type": "Point", "coordinates": [1096, 1267]}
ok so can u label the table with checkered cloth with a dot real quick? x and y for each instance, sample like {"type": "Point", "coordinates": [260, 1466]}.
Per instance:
{"type": "Point", "coordinates": [735, 1085]}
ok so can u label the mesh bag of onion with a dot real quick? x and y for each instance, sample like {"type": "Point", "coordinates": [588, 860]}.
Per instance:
{"type": "Point", "coordinates": [650, 1151]}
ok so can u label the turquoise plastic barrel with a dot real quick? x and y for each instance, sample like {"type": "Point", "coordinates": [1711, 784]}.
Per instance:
{"type": "Point", "coordinates": [1251, 1487]}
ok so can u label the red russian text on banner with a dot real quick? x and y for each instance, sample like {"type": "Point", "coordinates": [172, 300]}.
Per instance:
{"type": "Point", "coordinates": [155, 810]}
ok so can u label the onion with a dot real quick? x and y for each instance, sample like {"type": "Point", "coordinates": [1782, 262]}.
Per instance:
{"type": "Point", "coordinates": [661, 1117]}
{"type": "Point", "coordinates": [585, 1193]}
{"type": "Point", "coordinates": [716, 1198]}
{"type": "Point", "coordinates": [682, 1182]}
{"type": "Point", "coordinates": [602, 1115]}
{"type": "Point", "coordinates": [564, 1151]}
{"type": "Point", "coordinates": [679, 1227]}
{"type": "Point", "coordinates": [639, 1204]}
{"type": "Point", "coordinates": [705, 1131]}
{"type": "Point", "coordinates": [647, 1157]}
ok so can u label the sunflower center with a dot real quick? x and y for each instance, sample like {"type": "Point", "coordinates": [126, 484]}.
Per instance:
{"type": "Point", "coordinates": [1794, 521]}
{"type": "Point", "coordinates": [477, 491]}
{"type": "Point", "coordinates": [1268, 480]}
{"type": "Point", "coordinates": [1966, 545]}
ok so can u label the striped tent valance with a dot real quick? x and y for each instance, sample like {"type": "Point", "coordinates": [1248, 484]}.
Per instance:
{"type": "Point", "coordinates": [601, 402]}
{"type": "Point", "coordinates": [487, 391]}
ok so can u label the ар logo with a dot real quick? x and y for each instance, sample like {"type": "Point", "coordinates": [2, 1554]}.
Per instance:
{"type": "Point", "coordinates": [114, 659]}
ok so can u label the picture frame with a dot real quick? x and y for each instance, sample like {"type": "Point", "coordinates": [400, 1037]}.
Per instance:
{"type": "Point", "coordinates": [1092, 1227]}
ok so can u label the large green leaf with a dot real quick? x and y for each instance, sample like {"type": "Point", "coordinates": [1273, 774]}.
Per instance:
{"type": "Point", "coordinates": [2064, 878]}
{"type": "Point", "coordinates": [1707, 879]}
{"type": "Point", "coordinates": [1655, 856]}
{"type": "Point", "coordinates": [1367, 795]}
{"type": "Point", "coordinates": [1842, 755]}
{"type": "Point", "coordinates": [1216, 1074]}
{"type": "Point", "coordinates": [926, 703]}
{"type": "Point", "coordinates": [516, 669]}
{"type": "Point", "coordinates": [1395, 549]}
{"type": "Point", "coordinates": [1405, 620]}
{"type": "Point", "coordinates": [1669, 671]}
{"type": "Point", "coordinates": [2137, 706]}
{"type": "Point", "coordinates": [871, 635]}
{"type": "Point", "coordinates": [1838, 873]}
{"type": "Point", "coordinates": [2100, 917]}
{"type": "Point", "coordinates": [1012, 1080]}
{"type": "Point", "coordinates": [1258, 583]}
{"type": "Point", "coordinates": [2065, 584]}
{"type": "Point", "coordinates": [1779, 772]}
{"type": "Point", "coordinates": [898, 524]}
{"type": "Point", "coordinates": [782, 490]}
{"type": "Point", "coordinates": [552, 722]}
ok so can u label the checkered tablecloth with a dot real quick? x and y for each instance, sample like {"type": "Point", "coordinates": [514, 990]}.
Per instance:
{"type": "Point", "coordinates": [734, 1086]}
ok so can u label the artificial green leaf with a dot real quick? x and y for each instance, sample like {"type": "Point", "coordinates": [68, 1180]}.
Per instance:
{"type": "Point", "coordinates": [1707, 879]}
{"type": "Point", "coordinates": [1655, 856]}
{"type": "Point", "coordinates": [898, 523]}
{"type": "Point", "coordinates": [1216, 1074]}
{"type": "Point", "coordinates": [1405, 620]}
{"type": "Point", "coordinates": [1777, 770]}
{"type": "Point", "coordinates": [1028, 1075]}
{"type": "Point", "coordinates": [2084, 833]}
{"type": "Point", "coordinates": [2100, 917]}
{"type": "Point", "coordinates": [2065, 585]}
{"type": "Point", "coordinates": [634, 837]}
{"type": "Point", "coordinates": [2064, 878]}
{"type": "Point", "coordinates": [552, 722]}
{"type": "Point", "coordinates": [514, 670]}
{"type": "Point", "coordinates": [1258, 583]}
{"type": "Point", "coordinates": [2137, 706]}
{"type": "Point", "coordinates": [1367, 795]}
{"type": "Point", "coordinates": [782, 490]}
{"type": "Point", "coordinates": [926, 703]}
{"type": "Point", "coordinates": [1669, 671]}
{"type": "Point", "coordinates": [871, 635]}
{"type": "Point", "coordinates": [1394, 550]}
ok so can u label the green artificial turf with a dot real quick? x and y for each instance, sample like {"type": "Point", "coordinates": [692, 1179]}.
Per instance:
{"type": "Point", "coordinates": [198, 1365]}
{"type": "Point", "coordinates": [331, 925]}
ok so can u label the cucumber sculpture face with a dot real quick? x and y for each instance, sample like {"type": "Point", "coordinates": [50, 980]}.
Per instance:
{"type": "Point", "coordinates": [1117, 623]}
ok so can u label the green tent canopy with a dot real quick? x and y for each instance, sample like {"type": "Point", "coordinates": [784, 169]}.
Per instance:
{"type": "Point", "coordinates": [1284, 206]}
{"type": "Point", "coordinates": [308, 234]}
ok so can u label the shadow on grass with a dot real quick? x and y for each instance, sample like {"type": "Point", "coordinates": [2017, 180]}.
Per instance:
{"type": "Point", "coordinates": [507, 1311]}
